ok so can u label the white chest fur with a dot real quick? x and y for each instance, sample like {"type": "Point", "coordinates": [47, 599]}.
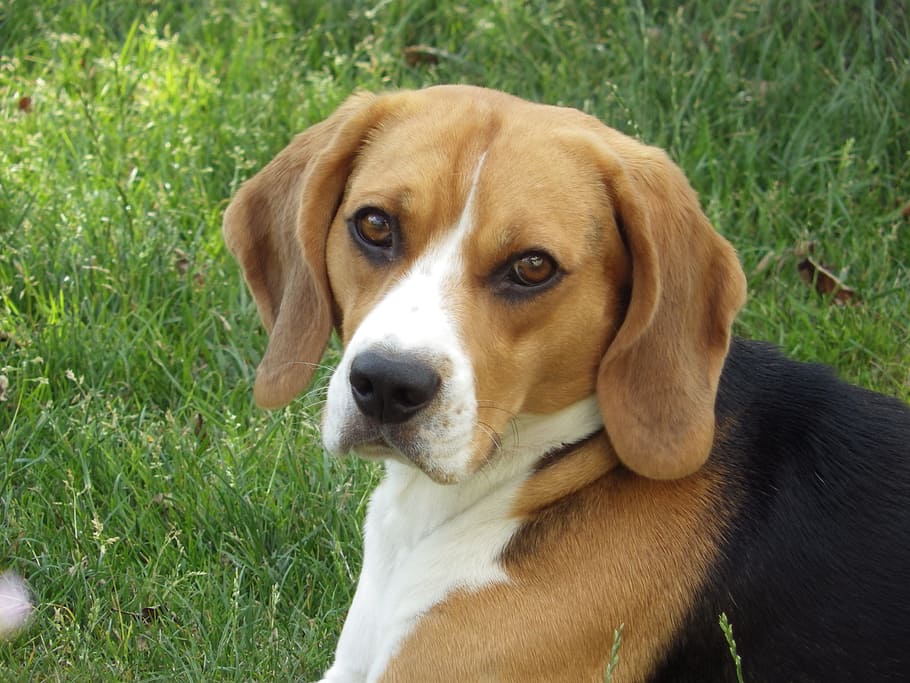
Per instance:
{"type": "Point", "coordinates": [423, 540]}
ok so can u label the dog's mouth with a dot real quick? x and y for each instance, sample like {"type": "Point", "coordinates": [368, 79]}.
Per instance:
{"type": "Point", "coordinates": [408, 445]}
{"type": "Point", "coordinates": [378, 448]}
{"type": "Point", "coordinates": [372, 441]}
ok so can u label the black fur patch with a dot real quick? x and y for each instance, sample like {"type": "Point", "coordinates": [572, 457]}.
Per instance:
{"type": "Point", "coordinates": [814, 572]}
{"type": "Point", "coordinates": [552, 457]}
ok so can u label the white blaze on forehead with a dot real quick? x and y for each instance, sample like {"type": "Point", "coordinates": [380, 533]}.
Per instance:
{"type": "Point", "coordinates": [446, 256]}
{"type": "Point", "coordinates": [416, 313]}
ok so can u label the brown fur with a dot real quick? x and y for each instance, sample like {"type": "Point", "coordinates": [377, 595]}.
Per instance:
{"type": "Point", "coordinates": [602, 548]}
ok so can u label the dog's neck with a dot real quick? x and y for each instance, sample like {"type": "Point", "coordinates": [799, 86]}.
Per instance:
{"type": "Point", "coordinates": [423, 540]}
{"type": "Point", "coordinates": [420, 505]}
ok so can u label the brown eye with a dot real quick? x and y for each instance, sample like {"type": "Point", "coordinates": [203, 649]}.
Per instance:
{"type": "Point", "coordinates": [374, 227]}
{"type": "Point", "coordinates": [532, 270]}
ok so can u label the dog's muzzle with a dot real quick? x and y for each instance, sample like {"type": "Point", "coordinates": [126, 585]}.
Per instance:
{"type": "Point", "coordinates": [407, 402]}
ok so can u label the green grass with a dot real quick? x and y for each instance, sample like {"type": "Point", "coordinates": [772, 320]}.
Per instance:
{"type": "Point", "coordinates": [727, 629]}
{"type": "Point", "coordinates": [168, 529]}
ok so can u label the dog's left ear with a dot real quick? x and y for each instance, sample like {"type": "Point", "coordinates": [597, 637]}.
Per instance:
{"type": "Point", "coordinates": [277, 225]}
{"type": "Point", "coordinates": [658, 379]}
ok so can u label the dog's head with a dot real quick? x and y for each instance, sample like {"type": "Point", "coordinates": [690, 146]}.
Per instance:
{"type": "Point", "coordinates": [483, 257]}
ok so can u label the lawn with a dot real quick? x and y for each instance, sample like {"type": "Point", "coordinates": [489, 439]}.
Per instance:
{"type": "Point", "coordinates": [170, 530]}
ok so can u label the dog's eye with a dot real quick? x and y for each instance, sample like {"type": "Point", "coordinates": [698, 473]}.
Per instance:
{"type": "Point", "coordinates": [374, 227]}
{"type": "Point", "coordinates": [532, 270]}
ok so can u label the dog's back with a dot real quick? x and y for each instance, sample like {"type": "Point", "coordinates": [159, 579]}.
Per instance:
{"type": "Point", "coordinates": [815, 563]}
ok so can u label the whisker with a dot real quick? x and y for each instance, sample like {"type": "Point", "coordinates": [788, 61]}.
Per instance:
{"type": "Point", "coordinates": [490, 404]}
{"type": "Point", "coordinates": [491, 433]}
{"type": "Point", "coordinates": [317, 366]}
{"type": "Point", "coordinates": [312, 401]}
{"type": "Point", "coordinates": [513, 425]}
{"type": "Point", "coordinates": [321, 384]}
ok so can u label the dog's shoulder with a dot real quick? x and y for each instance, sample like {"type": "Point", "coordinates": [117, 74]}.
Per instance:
{"type": "Point", "coordinates": [816, 477]}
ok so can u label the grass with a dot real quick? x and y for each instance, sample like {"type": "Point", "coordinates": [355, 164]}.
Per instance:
{"type": "Point", "coordinates": [727, 629]}
{"type": "Point", "coordinates": [168, 529]}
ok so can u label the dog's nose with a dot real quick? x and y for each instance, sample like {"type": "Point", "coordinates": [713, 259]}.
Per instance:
{"type": "Point", "coordinates": [391, 389]}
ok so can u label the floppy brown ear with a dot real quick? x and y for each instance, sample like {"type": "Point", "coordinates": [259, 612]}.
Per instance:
{"type": "Point", "coordinates": [276, 226]}
{"type": "Point", "coordinates": [658, 379]}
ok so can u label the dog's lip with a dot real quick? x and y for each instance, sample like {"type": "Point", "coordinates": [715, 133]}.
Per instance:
{"type": "Point", "coordinates": [383, 446]}
{"type": "Point", "coordinates": [372, 449]}
{"type": "Point", "coordinates": [376, 445]}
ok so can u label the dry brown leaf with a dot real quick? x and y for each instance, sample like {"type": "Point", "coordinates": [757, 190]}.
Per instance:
{"type": "Point", "coordinates": [415, 55]}
{"type": "Point", "coordinates": [199, 425]}
{"type": "Point", "coordinates": [825, 282]}
{"type": "Point", "coordinates": [181, 261]}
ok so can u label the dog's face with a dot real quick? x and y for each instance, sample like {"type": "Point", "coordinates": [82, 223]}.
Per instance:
{"type": "Point", "coordinates": [482, 257]}
{"type": "Point", "coordinates": [471, 264]}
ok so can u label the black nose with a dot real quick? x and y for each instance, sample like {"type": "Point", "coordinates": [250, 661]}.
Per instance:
{"type": "Point", "coordinates": [391, 389]}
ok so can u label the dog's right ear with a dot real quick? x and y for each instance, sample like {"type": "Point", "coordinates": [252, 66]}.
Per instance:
{"type": "Point", "coordinates": [277, 226]}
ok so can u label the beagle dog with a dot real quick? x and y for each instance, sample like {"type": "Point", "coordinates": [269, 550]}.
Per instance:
{"type": "Point", "coordinates": [536, 316]}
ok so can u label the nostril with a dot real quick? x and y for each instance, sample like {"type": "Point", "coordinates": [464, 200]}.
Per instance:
{"type": "Point", "coordinates": [419, 393]}
{"type": "Point", "coordinates": [360, 383]}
